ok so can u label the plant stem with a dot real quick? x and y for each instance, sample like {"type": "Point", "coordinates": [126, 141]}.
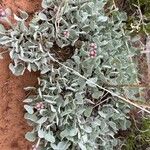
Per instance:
{"type": "Point", "coordinates": [112, 93]}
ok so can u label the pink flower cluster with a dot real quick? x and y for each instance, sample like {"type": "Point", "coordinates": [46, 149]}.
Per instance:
{"type": "Point", "coordinates": [39, 106]}
{"type": "Point", "coordinates": [66, 34]}
{"type": "Point", "coordinates": [93, 50]}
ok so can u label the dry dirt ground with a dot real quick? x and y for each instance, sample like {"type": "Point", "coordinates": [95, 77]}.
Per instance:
{"type": "Point", "coordinates": [12, 125]}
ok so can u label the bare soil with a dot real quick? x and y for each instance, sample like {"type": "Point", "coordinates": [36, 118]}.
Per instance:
{"type": "Point", "coordinates": [13, 126]}
{"type": "Point", "coordinates": [12, 123]}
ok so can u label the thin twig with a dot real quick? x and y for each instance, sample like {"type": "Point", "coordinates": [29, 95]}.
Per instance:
{"type": "Point", "coordinates": [38, 143]}
{"type": "Point", "coordinates": [112, 93]}
{"type": "Point", "coordinates": [101, 102]}
{"type": "Point", "coordinates": [141, 17]}
{"type": "Point", "coordinates": [58, 15]}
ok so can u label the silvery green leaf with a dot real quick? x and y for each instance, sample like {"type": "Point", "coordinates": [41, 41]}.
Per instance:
{"type": "Point", "coordinates": [115, 142]}
{"type": "Point", "coordinates": [80, 111]}
{"type": "Point", "coordinates": [31, 117]}
{"type": "Point", "coordinates": [107, 66]}
{"type": "Point", "coordinates": [71, 89]}
{"type": "Point", "coordinates": [102, 18]}
{"type": "Point", "coordinates": [28, 100]}
{"type": "Point", "coordinates": [49, 44]}
{"type": "Point", "coordinates": [113, 125]}
{"type": "Point", "coordinates": [50, 101]}
{"type": "Point", "coordinates": [73, 131]}
{"type": "Point", "coordinates": [17, 70]}
{"type": "Point", "coordinates": [97, 122]}
{"type": "Point", "coordinates": [104, 126]}
{"type": "Point", "coordinates": [30, 136]}
{"type": "Point", "coordinates": [97, 94]}
{"type": "Point", "coordinates": [76, 59]}
{"type": "Point", "coordinates": [63, 145]}
{"type": "Point", "coordinates": [42, 120]}
{"type": "Point", "coordinates": [88, 111]}
{"type": "Point", "coordinates": [85, 16]}
{"type": "Point", "coordinates": [41, 133]}
{"type": "Point", "coordinates": [91, 82]}
{"type": "Point", "coordinates": [100, 4]}
{"type": "Point", "coordinates": [23, 27]}
{"type": "Point", "coordinates": [66, 112]}
{"type": "Point", "coordinates": [23, 15]}
{"type": "Point", "coordinates": [42, 16]}
{"type": "Point", "coordinates": [29, 88]}
{"type": "Point", "coordinates": [13, 54]}
{"type": "Point", "coordinates": [17, 18]}
{"type": "Point", "coordinates": [86, 28]}
{"type": "Point", "coordinates": [45, 3]}
{"type": "Point", "coordinates": [45, 70]}
{"type": "Point", "coordinates": [135, 38]}
{"type": "Point", "coordinates": [49, 137]}
{"type": "Point", "coordinates": [64, 133]}
{"type": "Point", "coordinates": [29, 67]}
{"type": "Point", "coordinates": [74, 84]}
{"type": "Point", "coordinates": [87, 129]}
{"type": "Point", "coordinates": [5, 40]}
{"type": "Point", "coordinates": [82, 146]}
{"type": "Point", "coordinates": [52, 108]}
{"type": "Point", "coordinates": [79, 98]}
{"type": "Point", "coordinates": [29, 109]}
{"type": "Point", "coordinates": [33, 67]}
{"type": "Point", "coordinates": [54, 146]}
{"type": "Point", "coordinates": [73, 36]}
{"type": "Point", "coordinates": [85, 138]}
{"type": "Point", "coordinates": [40, 92]}
{"type": "Point", "coordinates": [60, 43]}
{"type": "Point", "coordinates": [90, 101]}
{"type": "Point", "coordinates": [2, 29]}
{"type": "Point", "coordinates": [102, 114]}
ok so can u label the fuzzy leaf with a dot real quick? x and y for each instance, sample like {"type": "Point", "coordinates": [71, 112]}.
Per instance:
{"type": "Point", "coordinates": [42, 16]}
{"type": "Point", "coordinates": [29, 109]}
{"type": "Point", "coordinates": [2, 29]}
{"type": "Point", "coordinates": [49, 137]}
{"type": "Point", "coordinates": [91, 82]}
{"type": "Point", "coordinates": [30, 136]}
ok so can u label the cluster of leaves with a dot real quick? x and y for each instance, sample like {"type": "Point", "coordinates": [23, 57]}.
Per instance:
{"type": "Point", "coordinates": [138, 15]}
{"type": "Point", "coordinates": [69, 111]}
{"type": "Point", "coordinates": [139, 138]}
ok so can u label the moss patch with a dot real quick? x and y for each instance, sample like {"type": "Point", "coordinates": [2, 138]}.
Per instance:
{"type": "Point", "coordinates": [139, 139]}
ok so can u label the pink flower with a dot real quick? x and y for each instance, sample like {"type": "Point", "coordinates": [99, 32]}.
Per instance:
{"type": "Point", "coordinates": [93, 45]}
{"type": "Point", "coordinates": [39, 106]}
{"type": "Point", "coordinates": [2, 13]}
{"type": "Point", "coordinates": [66, 34]}
{"type": "Point", "coordinates": [93, 48]}
{"type": "Point", "coordinates": [93, 53]}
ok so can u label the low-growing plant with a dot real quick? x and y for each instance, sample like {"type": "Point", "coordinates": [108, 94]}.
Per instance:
{"type": "Point", "coordinates": [75, 106]}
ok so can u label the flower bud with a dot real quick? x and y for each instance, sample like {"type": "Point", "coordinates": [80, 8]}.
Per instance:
{"type": "Point", "coordinates": [93, 53]}
{"type": "Point", "coordinates": [66, 34]}
{"type": "Point", "coordinates": [93, 45]}
{"type": "Point", "coordinates": [39, 106]}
